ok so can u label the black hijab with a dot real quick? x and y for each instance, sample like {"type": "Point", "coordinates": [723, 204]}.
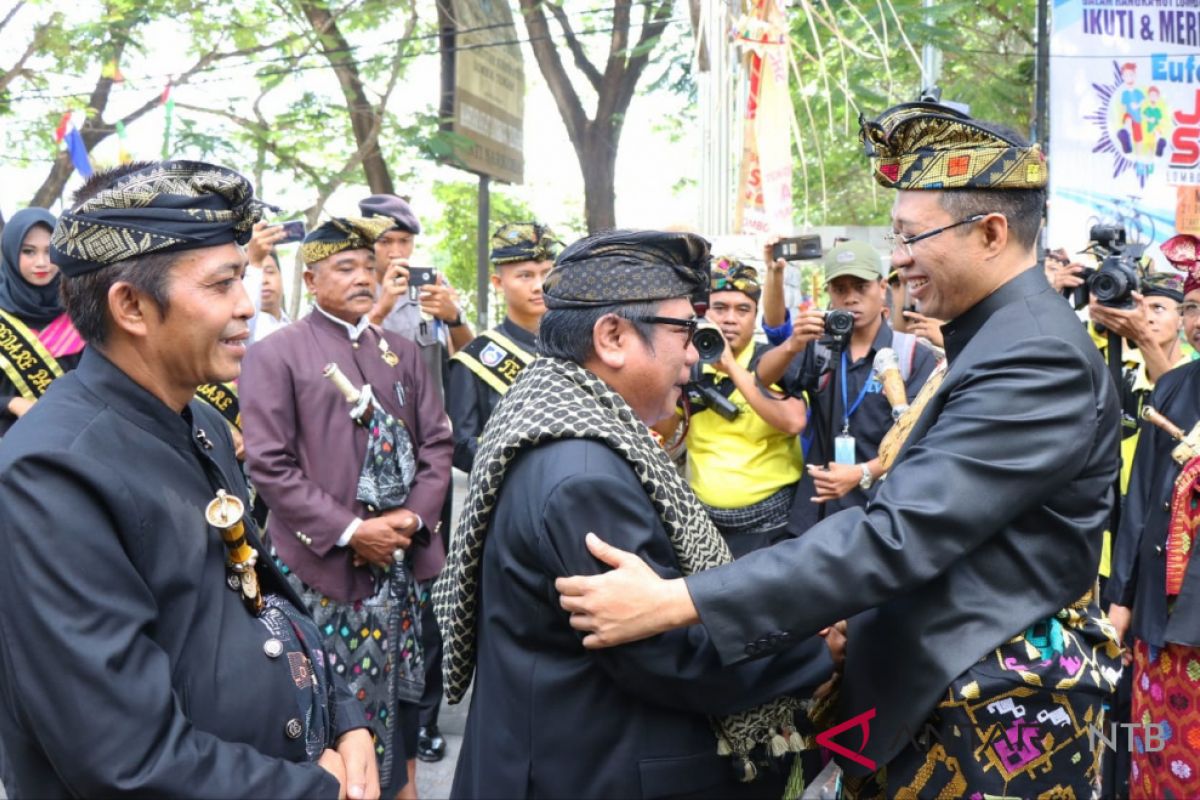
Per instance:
{"type": "Point", "coordinates": [37, 306]}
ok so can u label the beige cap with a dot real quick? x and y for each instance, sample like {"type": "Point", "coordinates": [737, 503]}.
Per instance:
{"type": "Point", "coordinates": [853, 258]}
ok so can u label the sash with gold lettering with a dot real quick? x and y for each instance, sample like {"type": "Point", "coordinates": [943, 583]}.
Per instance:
{"type": "Point", "coordinates": [24, 359]}
{"type": "Point", "coordinates": [224, 398]}
{"type": "Point", "coordinates": [494, 359]}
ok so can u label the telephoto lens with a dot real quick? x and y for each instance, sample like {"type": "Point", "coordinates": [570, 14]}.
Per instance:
{"type": "Point", "coordinates": [710, 342]}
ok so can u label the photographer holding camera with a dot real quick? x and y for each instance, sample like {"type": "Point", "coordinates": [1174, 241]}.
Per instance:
{"type": "Point", "coordinates": [742, 448]}
{"type": "Point", "coordinates": [832, 363]}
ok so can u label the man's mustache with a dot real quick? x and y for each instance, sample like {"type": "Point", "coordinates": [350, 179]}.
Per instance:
{"type": "Point", "coordinates": [363, 293]}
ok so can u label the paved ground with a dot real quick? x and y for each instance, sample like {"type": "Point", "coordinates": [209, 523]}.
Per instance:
{"type": "Point", "coordinates": [433, 780]}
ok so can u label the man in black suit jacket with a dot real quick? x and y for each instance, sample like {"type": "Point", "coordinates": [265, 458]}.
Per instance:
{"type": "Point", "coordinates": [133, 659]}
{"type": "Point", "coordinates": [977, 556]}
{"type": "Point", "coordinates": [569, 446]}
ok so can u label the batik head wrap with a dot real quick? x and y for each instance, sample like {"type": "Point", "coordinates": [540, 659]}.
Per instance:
{"type": "Point", "coordinates": [524, 241]}
{"type": "Point", "coordinates": [1183, 251]}
{"type": "Point", "coordinates": [933, 146]}
{"type": "Point", "coordinates": [1163, 284]}
{"type": "Point", "coordinates": [164, 207]}
{"type": "Point", "coordinates": [343, 233]}
{"type": "Point", "coordinates": [621, 267]}
{"type": "Point", "coordinates": [36, 305]}
{"type": "Point", "coordinates": [731, 275]}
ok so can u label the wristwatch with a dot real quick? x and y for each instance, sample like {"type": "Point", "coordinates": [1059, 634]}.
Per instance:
{"type": "Point", "coordinates": [457, 322]}
{"type": "Point", "coordinates": [867, 480]}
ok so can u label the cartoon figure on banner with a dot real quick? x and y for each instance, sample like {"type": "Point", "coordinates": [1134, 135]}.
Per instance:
{"type": "Point", "coordinates": [1134, 122]}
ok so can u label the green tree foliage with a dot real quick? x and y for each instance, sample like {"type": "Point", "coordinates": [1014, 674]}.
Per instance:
{"type": "Point", "coordinates": [864, 55]}
{"type": "Point", "coordinates": [454, 231]}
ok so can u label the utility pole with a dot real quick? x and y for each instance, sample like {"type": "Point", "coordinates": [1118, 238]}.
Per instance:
{"type": "Point", "coordinates": [717, 114]}
{"type": "Point", "coordinates": [931, 58]}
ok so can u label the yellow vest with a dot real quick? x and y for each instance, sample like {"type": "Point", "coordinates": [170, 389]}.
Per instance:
{"type": "Point", "coordinates": [739, 463]}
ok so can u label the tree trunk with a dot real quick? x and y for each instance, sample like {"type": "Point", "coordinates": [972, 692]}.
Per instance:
{"type": "Point", "coordinates": [599, 167]}
{"type": "Point", "coordinates": [362, 114]}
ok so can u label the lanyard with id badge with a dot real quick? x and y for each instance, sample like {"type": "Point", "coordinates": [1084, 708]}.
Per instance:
{"type": "Point", "coordinates": [844, 444]}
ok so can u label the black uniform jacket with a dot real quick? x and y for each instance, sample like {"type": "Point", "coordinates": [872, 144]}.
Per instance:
{"type": "Point", "coordinates": [551, 719]}
{"type": "Point", "coordinates": [990, 520]}
{"type": "Point", "coordinates": [1139, 569]}
{"type": "Point", "coordinates": [127, 665]}
{"type": "Point", "coordinates": [470, 402]}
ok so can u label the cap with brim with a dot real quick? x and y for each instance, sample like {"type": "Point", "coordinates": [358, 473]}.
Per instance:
{"type": "Point", "coordinates": [856, 259]}
{"type": "Point", "coordinates": [394, 208]}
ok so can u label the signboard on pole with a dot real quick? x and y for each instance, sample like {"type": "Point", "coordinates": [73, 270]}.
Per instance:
{"type": "Point", "coordinates": [483, 87]}
{"type": "Point", "coordinates": [1125, 118]}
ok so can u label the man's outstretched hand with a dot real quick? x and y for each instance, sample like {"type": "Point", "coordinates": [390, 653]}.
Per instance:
{"type": "Point", "coordinates": [625, 604]}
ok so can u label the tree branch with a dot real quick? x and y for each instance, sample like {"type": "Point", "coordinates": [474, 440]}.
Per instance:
{"type": "Point", "coordinates": [18, 69]}
{"type": "Point", "coordinates": [653, 26]}
{"type": "Point", "coordinates": [581, 60]}
{"type": "Point", "coordinates": [569, 106]}
{"type": "Point", "coordinates": [12, 12]}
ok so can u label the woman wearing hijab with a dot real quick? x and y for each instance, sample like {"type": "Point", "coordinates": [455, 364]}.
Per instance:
{"type": "Point", "coordinates": [38, 343]}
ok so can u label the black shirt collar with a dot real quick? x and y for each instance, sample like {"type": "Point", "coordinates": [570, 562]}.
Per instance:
{"type": "Point", "coordinates": [519, 335]}
{"type": "Point", "coordinates": [118, 391]}
{"type": "Point", "coordinates": [883, 338]}
{"type": "Point", "coordinates": [959, 332]}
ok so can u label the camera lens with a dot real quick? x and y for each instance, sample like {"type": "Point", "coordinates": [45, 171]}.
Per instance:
{"type": "Point", "coordinates": [839, 322]}
{"type": "Point", "coordinates": [710, 343]}
{"type": "Point", "coordinates": [1113, 284]}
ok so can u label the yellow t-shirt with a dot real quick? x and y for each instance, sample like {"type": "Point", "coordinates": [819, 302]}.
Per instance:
{"type": "Point", "coordinates": [739, 463]}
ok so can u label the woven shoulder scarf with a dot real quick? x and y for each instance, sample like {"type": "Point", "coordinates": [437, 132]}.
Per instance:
{"type": "Point", "coordinates": [551, 400]}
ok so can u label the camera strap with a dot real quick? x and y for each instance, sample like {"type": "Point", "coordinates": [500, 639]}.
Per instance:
{"type": "Point", "coordinates": [847, 409]}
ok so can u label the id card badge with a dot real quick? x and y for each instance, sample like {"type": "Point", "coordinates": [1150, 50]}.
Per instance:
{"type": "Point", "coordinates": [843, 449]}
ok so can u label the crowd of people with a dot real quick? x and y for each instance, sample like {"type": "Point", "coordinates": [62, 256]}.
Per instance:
{"type": "Point", "coordinates": [702, 528]}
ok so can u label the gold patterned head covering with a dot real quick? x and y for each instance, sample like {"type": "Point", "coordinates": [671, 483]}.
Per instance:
{"type": "Point", "coordinates": [933, 146]}
{"type": "Point", "coordinates": [524, 241]}
{"type": "Point", "coordinates": [163, 207]}
{"type": "Point", "coordinates": [621, 267]}
{"type": "Point", "coordinates": [731, 275]}
{"type": "Point", "coordinates": [343, 233]}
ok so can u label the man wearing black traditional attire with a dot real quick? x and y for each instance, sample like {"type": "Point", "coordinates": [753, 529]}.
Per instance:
{"type": "Point", "coordinates": [569, 446]}
{"type": "Point", "coordinates": [979, 656]}
{"type": "Point", "coordinates": [139, 654]}
{"type": "Point", "coordinates": [480, 373]}
{"type": "Point", "coordinates": [1154, 583]}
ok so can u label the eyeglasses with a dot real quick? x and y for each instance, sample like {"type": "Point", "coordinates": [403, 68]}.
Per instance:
{"type": "Point", "coordinates": [1189, 309]}
{"type": "Point", "coordinates": [678, 322]}
{"type": "Point", "coordinates": [897, 239]}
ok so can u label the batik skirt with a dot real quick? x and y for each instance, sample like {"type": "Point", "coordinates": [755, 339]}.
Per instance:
{"type": "Point", "coordinates": [1166, 691]}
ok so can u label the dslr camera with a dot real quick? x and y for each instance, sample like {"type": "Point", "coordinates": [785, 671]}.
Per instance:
{"type": "Point", "coordinates": [1119, 274]}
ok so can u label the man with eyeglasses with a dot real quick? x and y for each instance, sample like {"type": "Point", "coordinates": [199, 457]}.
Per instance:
{"type": "Point", "coordinates": [977, 655]}
{"type": "Point", "coordinates": [568, 450]}
{"type": "Point", "coordinates": [840, 385]}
